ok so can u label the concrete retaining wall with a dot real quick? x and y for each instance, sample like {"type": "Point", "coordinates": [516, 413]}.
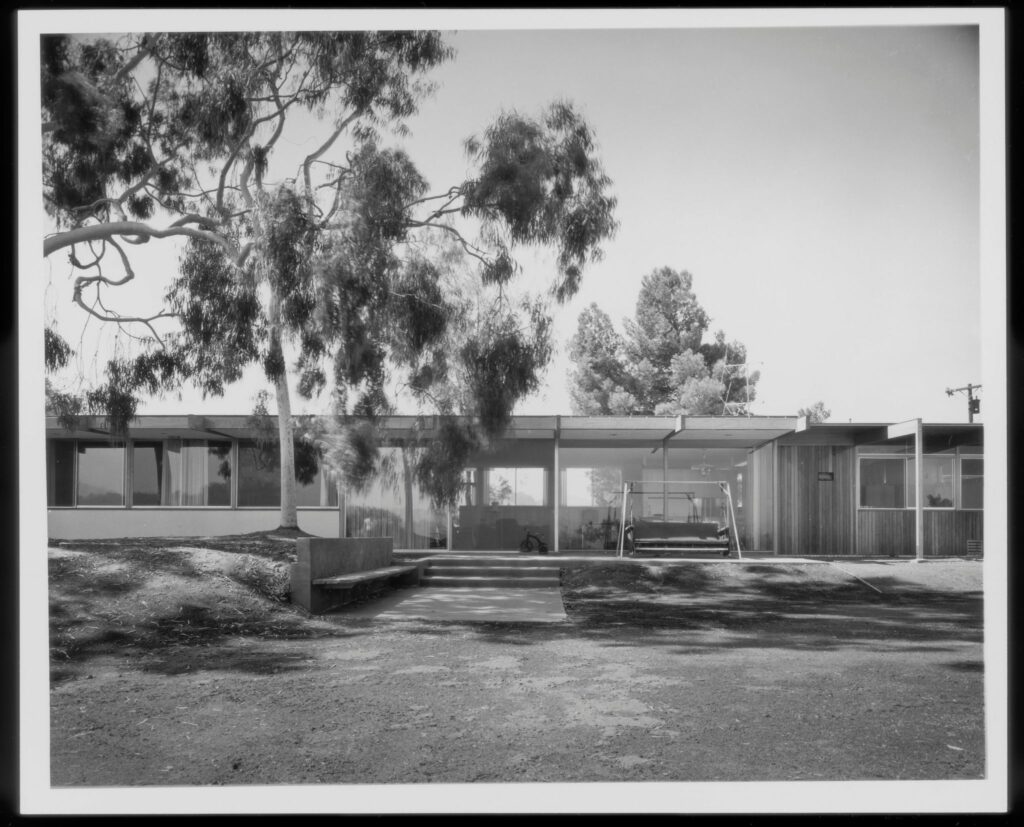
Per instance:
{"type": "Point", "coordinates": [327, 557]}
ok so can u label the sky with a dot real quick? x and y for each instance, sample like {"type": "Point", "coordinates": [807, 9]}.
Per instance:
{"type": "Point", "coordinates": [821, 184]}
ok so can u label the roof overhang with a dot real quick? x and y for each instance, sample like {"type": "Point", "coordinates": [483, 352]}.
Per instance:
{"type": "Point", "coordinates": [735, 431]}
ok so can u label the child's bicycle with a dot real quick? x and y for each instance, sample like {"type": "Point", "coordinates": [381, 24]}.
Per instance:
{"type": "Point", "coordinates": [533, 543]}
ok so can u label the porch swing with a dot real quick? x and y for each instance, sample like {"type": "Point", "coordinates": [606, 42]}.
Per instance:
{"type": "Point", "coordinates": [700, 531]}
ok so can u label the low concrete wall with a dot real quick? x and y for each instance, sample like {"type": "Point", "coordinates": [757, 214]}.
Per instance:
{"type": "Point", "coordinates": [106, 523]}
{"type": "Point", "coordinates": [327, 557]}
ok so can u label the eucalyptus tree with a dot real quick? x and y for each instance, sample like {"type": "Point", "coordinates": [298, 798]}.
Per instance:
{"type": "Point", "coordinates": [152, 137]}
{"type": "Point", "coordinates": [665, 363]}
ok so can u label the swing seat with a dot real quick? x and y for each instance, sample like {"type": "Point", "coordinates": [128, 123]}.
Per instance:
{"type": "Point", "coordinates": [670, 535]}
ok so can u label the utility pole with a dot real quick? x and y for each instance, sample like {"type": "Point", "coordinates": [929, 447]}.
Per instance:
{"type": "Point", "coordinates": [973, 403]}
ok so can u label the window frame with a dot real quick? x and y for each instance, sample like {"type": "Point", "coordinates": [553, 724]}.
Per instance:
{"type": "Point", "coordinates": [954, 486]}
{"type": "Point", "coordinates": [960, 482]}
{"type": "Point", "coordinates": [889, 456]}
{"type": "Point", "coordinates": [909, 459]}
{"type": "Point", "coordinates": [77, 473]}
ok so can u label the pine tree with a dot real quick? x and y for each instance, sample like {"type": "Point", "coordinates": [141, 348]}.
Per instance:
{"type": "Point", "coordinates": [664, 363]}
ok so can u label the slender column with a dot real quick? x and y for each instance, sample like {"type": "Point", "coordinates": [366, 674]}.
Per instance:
{"type": "Point", "coordinates": [664, 479]}
{"type": "Point", "coordinates": [776, 505]}
{"type": "Point", "coordinates": [342, 510]}
{"type": "Point", "coordinates": [919, 493]}
{"type": "Point", "coordinates": [557, 498]}
{"type": "Point", "coordinates": [128, 473]}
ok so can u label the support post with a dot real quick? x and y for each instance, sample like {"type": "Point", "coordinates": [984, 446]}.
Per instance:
{"type": "Point", "coordinates": [557, 498]}
{"type": "Point", "coordinates": [776, 495]}
{"type": "Point", "coordinates": [664, 478]}
{"type": "Point", "coordinates": [918, 492]}
{"type": "Point", "coordinates": [622, 523]}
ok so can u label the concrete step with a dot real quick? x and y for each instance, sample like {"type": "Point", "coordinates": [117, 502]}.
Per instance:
{"type": "Point", "coordinates": [525, 561]}
{"type": "Point", "coordinates": [488, 581]}
{"type": "Point", "coordinates": [445, 570]}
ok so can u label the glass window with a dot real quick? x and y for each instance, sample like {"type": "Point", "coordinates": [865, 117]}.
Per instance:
{"type": "Point", "coordinates": [147, 473]}
{"type": "Point", "coordinates": [197, 472]}
{"type": "Point", "coordinates": [592, 486]}
{"type": "Point", "coordinates": [392, 505]}
{"type": "Point", "coordinates": [972, 478]}
{"type": "Point", "coordinates": [259, 480]}
{"type": "Point", "coordinates": [883, 482]}
{"type": "Point", "coordinates": [60, 472]}
{"type": "Point", "coordinates": [259, 476]}
{"type": "Point", "coordinates": [516, 486]}
{"type": "Point", "coordinates": [590, 502]}
{"type": "Point", "coordinates": [938, 481]}
{"type": "Point", "coordinates": [100, 474]}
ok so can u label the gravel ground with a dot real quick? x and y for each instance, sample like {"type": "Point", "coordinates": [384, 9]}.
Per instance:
{"type": "Point", "coordinates": [662, 673]}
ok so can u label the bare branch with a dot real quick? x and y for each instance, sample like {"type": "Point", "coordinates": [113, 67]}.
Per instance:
{"type": "Point", "coordinates": [471, 249]}
{"type": "Point", "coordinates": [323, 148]}
{"type": "Point", "coordinates": [132, 229]}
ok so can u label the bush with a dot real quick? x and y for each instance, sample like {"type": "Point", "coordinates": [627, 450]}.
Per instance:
{"type": "Point", "coordinates": [267, 579]}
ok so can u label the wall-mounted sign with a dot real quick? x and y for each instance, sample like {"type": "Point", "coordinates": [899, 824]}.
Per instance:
{"type": "Point", "coordinates": [825, 476]}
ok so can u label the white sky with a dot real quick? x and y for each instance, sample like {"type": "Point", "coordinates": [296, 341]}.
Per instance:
{"type": "Point", "coordinates": [821, 185]}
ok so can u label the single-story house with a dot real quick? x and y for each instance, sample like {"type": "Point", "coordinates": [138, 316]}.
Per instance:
{"type": "Point", "coordinates": [794, 488]}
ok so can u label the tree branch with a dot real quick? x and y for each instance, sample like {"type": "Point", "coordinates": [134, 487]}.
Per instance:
{"type": "Point", "coordinates": [323, 148]}
{"type": "Point", "coordinates": [109, 230]}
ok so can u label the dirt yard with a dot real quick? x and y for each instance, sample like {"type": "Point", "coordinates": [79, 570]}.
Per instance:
{"type": "Point", "coordinates": [174, 664]}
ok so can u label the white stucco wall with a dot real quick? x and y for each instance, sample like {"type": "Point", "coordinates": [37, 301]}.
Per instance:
{"type": "Point", "coordinates": [101, 523]}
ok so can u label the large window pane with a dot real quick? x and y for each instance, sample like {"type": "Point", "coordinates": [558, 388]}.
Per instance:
{"type": "Point", "coordinates": [392, 505]}
{"type": "Point", "coordinates": [591, 491]}
{"type": "Point", "coordinates": [516, 486]}
{"type": "Point", "coordinates": [60, 472]}
{"type": "Point", "coordinates": [100, 474]}
{"type": "Point", "coordinates": [972, 477]}
{"type": "Point", "coordinates": [147, 473]}
{"type": "Point", "coordinates": [259, 481]}
{"type": "Point", "coordinates": [259, 476]}
{"type": "Point", "coordinates": [883, 482]}
{"type": "Point", "coordinates": [197, 472]}
{"type": "Point", "coordinates": [938, 482]}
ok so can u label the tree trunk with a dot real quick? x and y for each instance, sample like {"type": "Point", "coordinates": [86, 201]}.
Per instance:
{"type": "Point", "coordinates": [285, 430]}
{"type": "Point", "coordinates": [286, 436]}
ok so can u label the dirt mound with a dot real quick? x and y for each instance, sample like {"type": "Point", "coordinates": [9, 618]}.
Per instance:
{"type": "Point", "coordinates": [111, 596]}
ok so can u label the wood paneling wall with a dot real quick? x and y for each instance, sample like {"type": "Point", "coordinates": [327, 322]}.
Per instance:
{"type": "Point", "coordinates": [947, 532]}
{"type": "Point", "coordinates": [816, 516]}
{"type": "Point", "coordinates": [881, 533]}
{"type": "Point", "coordinates": [892, 532]}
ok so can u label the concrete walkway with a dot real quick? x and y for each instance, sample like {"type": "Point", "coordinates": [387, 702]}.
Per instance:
{"type": "Point", "coordinates": [480, 604]}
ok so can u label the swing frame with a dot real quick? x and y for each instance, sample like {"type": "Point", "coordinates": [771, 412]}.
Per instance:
{"type": "Point", "coordinates": [663, 535]}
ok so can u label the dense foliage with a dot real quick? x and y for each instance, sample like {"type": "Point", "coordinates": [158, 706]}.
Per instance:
{"type": "Point", "coordinates": [664, 364]}
{"type": "Point", "coordinates": [331, 275]}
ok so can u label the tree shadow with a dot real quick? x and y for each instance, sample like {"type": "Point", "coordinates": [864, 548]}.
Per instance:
{"type": "Point", "coordinates": [777, 608]}
{"type": "Point", "coordinates": [182, 660]}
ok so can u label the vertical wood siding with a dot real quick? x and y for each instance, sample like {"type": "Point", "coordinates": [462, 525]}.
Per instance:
{"type": "Point", "coordinates": [892, 532]}
{"type": "Point", "coordinates": [947, 532]}
{"type": "Point", "coordinates": [815, 516]}
{"type": "Point", "coordinates": [881, 533]}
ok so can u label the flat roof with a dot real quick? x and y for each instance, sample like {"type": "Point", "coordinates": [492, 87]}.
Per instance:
{"type": "Point", "coordinates": [678, 430]}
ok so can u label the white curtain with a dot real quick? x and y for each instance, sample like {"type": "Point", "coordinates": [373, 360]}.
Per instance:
{"type": "Point", "coordinates": [170, 493]}
{"type": "Point", "coordinates": [195, 473]}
